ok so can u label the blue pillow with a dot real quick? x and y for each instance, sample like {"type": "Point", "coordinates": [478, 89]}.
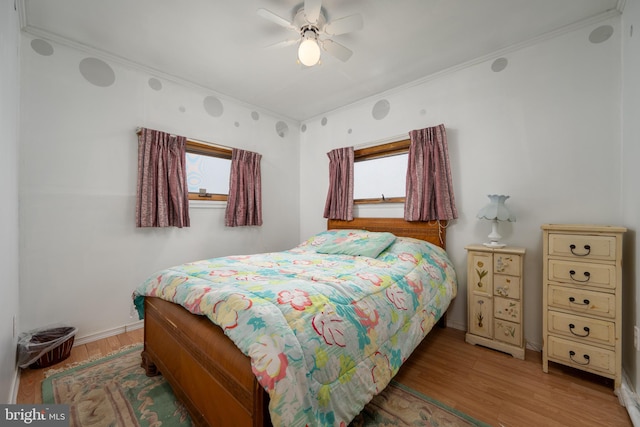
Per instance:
{"type": "Point", "coordinates": [352, 242]}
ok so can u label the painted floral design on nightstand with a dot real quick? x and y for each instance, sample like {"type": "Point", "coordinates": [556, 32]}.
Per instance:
{"type": "Point", "coordinates": [502, 263]}
{"type": "Point", "coordinates": [479, 315]}
{"type": "Point", "coordinates": [510, 310]}
{"type": "Point", "coordinates": [503, 291]}
{"type": "Point", "coordinates": [507, 330]}
{"type": "Point", "coordinates": [481, 273]}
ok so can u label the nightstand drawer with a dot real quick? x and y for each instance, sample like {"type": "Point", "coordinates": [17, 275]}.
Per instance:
{"type": "Point", "coordinates": [581, 356]}
{"type": "Point", "coordinates": [507, 309]}
{"type": "Point", "coordinates": [583, 273]}
{"type": "Point", "coordinates": [582, 246]}
{"type": "Point", "coordinates": [506, 286]}
{"type": "Point", "coordinates": [581, 328]}
{"type": "Point", "coordinates": [582, 301]}
{"type": "Point", "coordinates": [506, 264]}
{"type": "Point", "coordinates": [507, 332]}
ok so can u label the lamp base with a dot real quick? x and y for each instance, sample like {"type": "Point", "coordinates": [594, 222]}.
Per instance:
{"type": "Point", "coordinates": [495, 245]}
{"type": "Point", "coordinates": [494, 237]}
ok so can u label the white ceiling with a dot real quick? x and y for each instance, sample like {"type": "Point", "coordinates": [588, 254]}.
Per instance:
{"type": "Point", "coordinates": [221, 45]}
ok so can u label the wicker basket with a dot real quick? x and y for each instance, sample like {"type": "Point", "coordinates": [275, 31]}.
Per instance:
{"type": "Point", "coordinates": [57, 354]}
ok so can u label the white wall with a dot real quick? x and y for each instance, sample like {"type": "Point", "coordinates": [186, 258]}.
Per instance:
{"type": "Point", "coordinates": [81, 253]}
{"type": "Point", "coordinates": [9, 107]}
{"type": "Point", "coordinates": [545, 130]}
{"type": "Point", "coordinates": [631, 178]}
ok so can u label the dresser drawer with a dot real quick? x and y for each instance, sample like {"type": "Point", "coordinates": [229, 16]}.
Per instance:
{"type": "Point", "coordinates": [583, 247]}
{"type": "Point", "coordinates": [507, 309]}
{"type": "Point", "coordinates": [506, 286]}
{"type": "Point", "coordinates": [581, 328]}
{"type": "Point", "coordinates": [582, 356]}
{"type": "Point", "coordinates": [507, 264]}
{"type": "Point", "coordinates": [582, 301]}
{"type": "Point", "coordinates": [582, 273]}
{"type": "Point", "coordinates": [508, 332]}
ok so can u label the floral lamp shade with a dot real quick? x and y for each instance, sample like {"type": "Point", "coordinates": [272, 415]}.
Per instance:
{"type": "Point", "coordinates": [496, 211]}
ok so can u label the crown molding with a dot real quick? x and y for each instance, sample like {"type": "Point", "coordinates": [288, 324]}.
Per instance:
{"type": "Point", "coordinates": [22, 12]}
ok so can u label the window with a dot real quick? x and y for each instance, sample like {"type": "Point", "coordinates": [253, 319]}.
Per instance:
{"type": "Point", "coordinates": [380, 173]}
{"type": "Point", "coordinates": [208, 170]}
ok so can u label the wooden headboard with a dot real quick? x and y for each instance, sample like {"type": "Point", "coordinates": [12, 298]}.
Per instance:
{"type": "Point", "coordinates": [433, 232]}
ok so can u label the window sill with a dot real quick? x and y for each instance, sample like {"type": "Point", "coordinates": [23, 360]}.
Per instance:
{"type": "Point", "coordinates": [207, 204]}
{"type": "Point", "coordinates": [387, 205]}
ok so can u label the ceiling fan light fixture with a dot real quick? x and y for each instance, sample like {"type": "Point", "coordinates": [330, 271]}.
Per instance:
{"type": "Point", "coordinates": [309, 50]}
{"type": "Point", "coordinates": [310, 22]}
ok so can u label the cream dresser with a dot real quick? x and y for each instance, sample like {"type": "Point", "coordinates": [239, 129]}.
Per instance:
{"type": "Point", "coordinates": [494, 298]}
{"type": "Point", "coordinates": [581, 299]}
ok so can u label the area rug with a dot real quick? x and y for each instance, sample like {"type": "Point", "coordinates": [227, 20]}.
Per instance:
{"type": "Point", "coordinates": [114, 391]}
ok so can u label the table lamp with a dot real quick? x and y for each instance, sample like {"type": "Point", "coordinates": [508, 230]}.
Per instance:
{"type": "Point", "coordinates": [496, 211]}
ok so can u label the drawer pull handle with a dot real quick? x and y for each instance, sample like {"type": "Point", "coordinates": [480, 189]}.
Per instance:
{"type": "Point", "coordinates": [572, 300]}
{"type": "Point", "coordinates": [586, 329]}
{"type": "Point", "coordinates": [585, 356]}
{"type": "Point", "coordinates": [586, 274]}
{"type": "Point", "coordinates": [587, 248]}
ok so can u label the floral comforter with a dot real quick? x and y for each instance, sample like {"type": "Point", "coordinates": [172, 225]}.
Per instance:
{"type": "Point", "coordinates": [325, 331]}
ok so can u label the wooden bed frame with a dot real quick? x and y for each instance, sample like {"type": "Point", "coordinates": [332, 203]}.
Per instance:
{"type": "Point", "coordinates": [205, 369]}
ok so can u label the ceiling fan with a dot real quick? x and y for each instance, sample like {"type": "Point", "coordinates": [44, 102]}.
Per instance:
{"type": "Point", "coordinates": [314, 31]}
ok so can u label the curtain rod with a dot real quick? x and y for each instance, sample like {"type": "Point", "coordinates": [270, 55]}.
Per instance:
{"type": "Point", "coordinates": [139, 129]}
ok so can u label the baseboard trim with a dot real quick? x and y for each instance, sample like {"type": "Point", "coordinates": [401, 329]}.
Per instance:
{"type": "Point", "coordinates": [456, 325]}
{"type": "Point", "coordinates": [534, 347]}
{"type": "Point", "coordinates": [13, 397]}
{"type": "Point", "coordinates": [630, 400]}
{"type": "Point", "coordinates": [108, 333]}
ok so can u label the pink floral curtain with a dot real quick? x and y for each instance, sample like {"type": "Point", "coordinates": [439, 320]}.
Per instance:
{"type": "Point", "coordinates": [429, 186]}
{"type": "Point", "coordinates": [339, 203]}
{"type": "Point", "coordinates": [244, 205]}
{"type": "Point", "coordinates": [162, 194]}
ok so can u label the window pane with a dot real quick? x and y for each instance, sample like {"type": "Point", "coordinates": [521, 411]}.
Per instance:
{"type": "Point", "coordinates": [386, 175]}
{"type": "Point", "coordinates": [208, 172]}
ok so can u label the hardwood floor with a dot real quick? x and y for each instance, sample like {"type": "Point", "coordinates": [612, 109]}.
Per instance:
{"type": "Point", "coordinates": [485, 384]}
{"type": "Point", "coordinates": [506, 392]}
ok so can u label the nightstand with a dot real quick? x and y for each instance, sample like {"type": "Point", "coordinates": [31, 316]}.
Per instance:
{"type": "Point", "coordinates": [494, 298]}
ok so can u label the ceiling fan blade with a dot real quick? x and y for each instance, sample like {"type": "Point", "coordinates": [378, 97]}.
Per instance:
{"type": "Point", "coordinates": [267, 14]}
{"type": "Point", "coordinates": [283, 43]}
{"type": "Point", "coordinates": [344, 25]}
{"type": "Point", "coordinates": [337, 50]}
{"type": "Point", "coordinates": [312, 10]}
